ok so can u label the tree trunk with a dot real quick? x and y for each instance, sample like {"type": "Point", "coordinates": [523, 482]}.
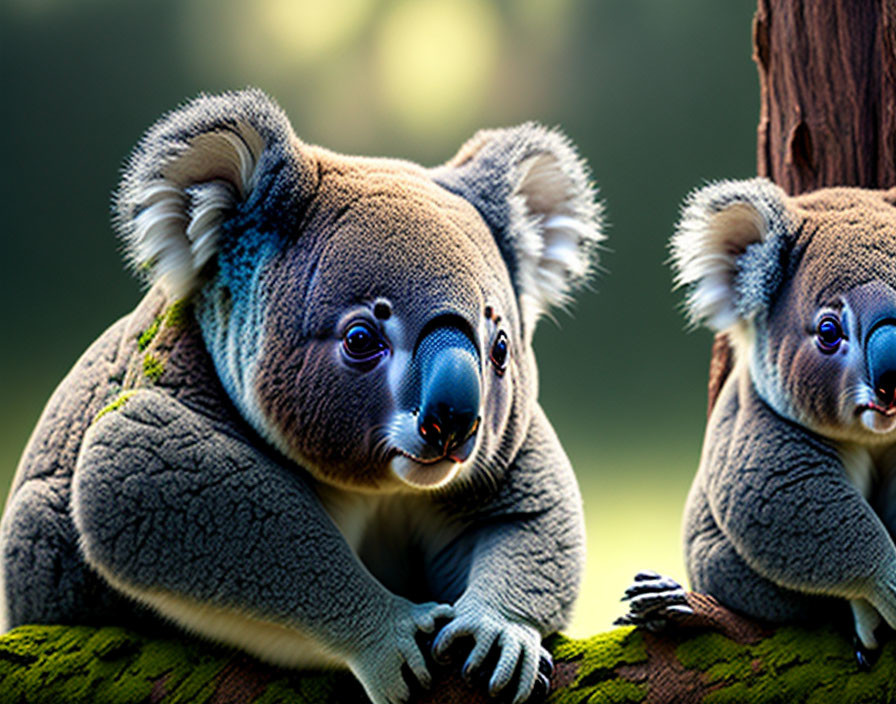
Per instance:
{"type": "Point", "coordinates": [827, 79]}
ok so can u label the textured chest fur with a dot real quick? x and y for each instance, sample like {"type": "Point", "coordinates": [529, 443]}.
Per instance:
{"type": "Point", "coordinates": [397, 536]}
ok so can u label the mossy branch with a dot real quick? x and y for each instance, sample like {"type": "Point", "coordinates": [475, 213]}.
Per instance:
{"type": "Point", "coordinates": [51, 664]}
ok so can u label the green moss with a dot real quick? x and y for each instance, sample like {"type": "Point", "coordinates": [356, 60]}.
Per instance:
{"type": "Point", "coordinates": [792, 665]}
{"type": "Point", "coordinates": [145, 337]}
{"type": "Point", "coordinates": [174, 315]}
{"type": "Point", "coordinates": [153, 367]}
{"type": "Point", "coordinates": [177, 313]}
{"type": "Point", "coordinates": [115, 405]}
{"type": "Point", "coordinates": [82, 665]}
{"type": "Point", "coordinates": [599, 657]}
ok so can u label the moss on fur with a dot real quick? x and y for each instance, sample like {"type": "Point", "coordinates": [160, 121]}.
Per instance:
{"type": "Point", "coordinates": [115, 405]}
{"type": "Point", "coordinates": [153, 367]}
{"type": "Point", "coordinates": [176, 314]}
{"type": "Point", "coordinates": [147, 336]}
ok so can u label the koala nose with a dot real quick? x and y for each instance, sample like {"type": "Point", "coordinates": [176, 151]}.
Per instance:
{"type": "Point", "coordinates": [880, 354]}
{"type": "Point", "coordinates": [450, 394]}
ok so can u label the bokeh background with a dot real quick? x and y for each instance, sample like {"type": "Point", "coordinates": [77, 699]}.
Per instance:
{"type": "Point", "coordinates": [659, 96]}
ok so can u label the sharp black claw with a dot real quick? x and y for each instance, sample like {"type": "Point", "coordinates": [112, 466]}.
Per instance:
{"type": "Point", "coordinates": [539, 690]}
{"type": "Point", "coordinates": [546, 665]}
{"type": "Point", "coordinates": [865, 658]}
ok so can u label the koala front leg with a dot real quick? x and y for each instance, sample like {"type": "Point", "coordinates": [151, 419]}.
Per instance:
{"type": "Point", "coordinates": [194, 521]}
{"type": "Point", "coordinates": [780, 496]}
{"type": "Point", "coordinates": [525, 556]}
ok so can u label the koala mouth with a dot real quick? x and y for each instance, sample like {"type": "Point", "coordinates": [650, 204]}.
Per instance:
{"type": "Point", "coordinates": [878, 419]}
{"type": "Point", "coordinates": [434, 472]}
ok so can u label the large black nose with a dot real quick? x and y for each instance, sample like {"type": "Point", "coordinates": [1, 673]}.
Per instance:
{"type": "Point", "coordinates": [450, 394]}
{"type": "Point", "coordinates": [445, 427]}
{"type": "Point", "coordinates": [880, 355]}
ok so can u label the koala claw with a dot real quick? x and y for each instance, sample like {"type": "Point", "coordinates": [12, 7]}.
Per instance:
{"type": "Point", "coordinates": [865, 657]}
{"type": "Point", "coordinates": [379, 665]}
{"type": "Point", "coordinates": [653, 601]}
{"type": "Point", "coordinates": [514, 647]}
{"type": "Point", "coordinates": [546, 664]}
{"type": "Point", "coordinates": [650, 583]}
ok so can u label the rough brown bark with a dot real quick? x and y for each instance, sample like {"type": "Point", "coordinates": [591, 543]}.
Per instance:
{"type": "Point", "coordinates": [827, 79]}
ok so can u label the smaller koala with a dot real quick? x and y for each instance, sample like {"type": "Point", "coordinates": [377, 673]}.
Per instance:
{"type": "Point", "coordinates": [793, 509]}
{"type": "Point", "coordinates": [318, 434]}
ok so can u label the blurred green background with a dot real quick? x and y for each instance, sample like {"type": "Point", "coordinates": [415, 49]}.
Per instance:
{"type": "Point", "coordinates": [659, 96]}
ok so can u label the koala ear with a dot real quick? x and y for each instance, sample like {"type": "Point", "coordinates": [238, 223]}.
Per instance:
{"type": "Point", "coordinates": [728, 250]}
{"type": "Point", "coordinates": [193, 169]}
{"type": "Point", "coordinates": [533, 190]}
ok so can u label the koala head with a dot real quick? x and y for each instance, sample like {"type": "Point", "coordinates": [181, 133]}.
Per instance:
{"type": "Point", "coordinates": [806, 287]}
{"type": "Point", "coordinates": [372, 319]}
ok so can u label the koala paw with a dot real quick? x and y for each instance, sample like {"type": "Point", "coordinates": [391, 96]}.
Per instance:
{"type": "Point", "coordinates": [869, 617]}
{"type": "Point", "coordinates": [508, 649]}
{"type": "Point", "coordinates": [654, 601]}
{"type": "Point", "coordinates": [379, 666]}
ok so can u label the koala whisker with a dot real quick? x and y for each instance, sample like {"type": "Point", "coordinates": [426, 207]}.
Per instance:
{"type": "Point", "coordinates": [853, 395]}
{"type": "Point", "coordinates": [383, 446]}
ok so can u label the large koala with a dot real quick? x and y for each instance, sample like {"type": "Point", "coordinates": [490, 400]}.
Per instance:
{"type": "Point", "coordinates": [318, 433]}
{"type": "Point", "coordinates": [793, 509]}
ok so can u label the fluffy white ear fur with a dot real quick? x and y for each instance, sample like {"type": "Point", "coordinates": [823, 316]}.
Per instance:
{"type": "Point", "coordinates": [557, 225]}
{"type": "Point", "coordinates": [179, 213]}
{"type": "Point", "coordinates": [718, 222]}
{"type": "Point", "coordinates": [189, 172]}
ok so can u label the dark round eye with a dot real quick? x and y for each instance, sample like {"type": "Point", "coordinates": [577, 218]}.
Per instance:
{"type": "Point", "coordinates": [828, 333]}
{"type": "Point", "coordinates": [362, 343]}
{"type": "Point", "coordinates": [500, 349]}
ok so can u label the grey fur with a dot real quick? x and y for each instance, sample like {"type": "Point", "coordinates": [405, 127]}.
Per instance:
{"type": "Point", "coordinates": [490, 171]}
{"type": "Point", "coordinates": [217, 459]}
{"type": "Point", "coordinates": [791, 511]}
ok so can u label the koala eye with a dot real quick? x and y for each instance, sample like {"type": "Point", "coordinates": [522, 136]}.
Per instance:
{"type": "Point", "coordinates": [828, 334]}
{"type": "Point", "coordinates": [499, 352]}
{"type": "Point", "coordinates": [362, 343]}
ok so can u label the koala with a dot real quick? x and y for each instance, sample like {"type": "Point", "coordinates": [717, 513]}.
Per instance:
{"type": "Point", "coordinates": [318, 435]}
{"type": "Point", "coordinates": [793, 509]}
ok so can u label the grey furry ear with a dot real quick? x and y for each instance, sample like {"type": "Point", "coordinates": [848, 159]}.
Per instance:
{"type": "Point", "coordinates": [193, 169]}
{"type": "Point", "coordinates": [728, 250]}
{"type": "Point", "coordinates": [533, 190]}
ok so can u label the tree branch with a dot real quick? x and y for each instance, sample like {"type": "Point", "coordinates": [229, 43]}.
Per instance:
{"type": "Point", "coordinates": [78, 664]}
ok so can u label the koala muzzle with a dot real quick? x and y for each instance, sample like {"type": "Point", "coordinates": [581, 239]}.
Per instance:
{"type": "Point", "coordinates": [880, 357]}
{"type": "Point", "coordinates": [449, 389]}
